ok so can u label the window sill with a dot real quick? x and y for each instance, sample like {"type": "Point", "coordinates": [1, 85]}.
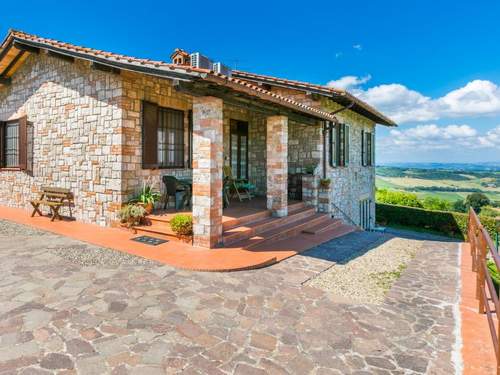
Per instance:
{"type": "Point", "coordinates": [10, 169]}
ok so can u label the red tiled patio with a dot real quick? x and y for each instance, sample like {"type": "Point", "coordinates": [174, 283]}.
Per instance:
{"type": "Point", "coordinates": [175, 253]}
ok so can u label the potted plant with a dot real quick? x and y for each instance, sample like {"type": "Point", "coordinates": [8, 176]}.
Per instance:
{"type": "Point", "coordinates": [325, 183]}
{"type": "Point", "coordinates": [147, 198]}
{"type": "Point", "coordinates": [309, 169]}
{"type": "Point", "coordinates": [131, 215]}
{"type": "Point", "coordinates": [182, 225]}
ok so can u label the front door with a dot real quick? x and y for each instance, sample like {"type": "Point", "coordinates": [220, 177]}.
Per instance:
{"type": "Point", "coordinates": [239, 149]}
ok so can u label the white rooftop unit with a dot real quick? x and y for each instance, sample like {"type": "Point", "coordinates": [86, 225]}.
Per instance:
{"type": "Point", "coordinates": [219, 67]}
{"type": "Point", "coordinates": [200, 61]}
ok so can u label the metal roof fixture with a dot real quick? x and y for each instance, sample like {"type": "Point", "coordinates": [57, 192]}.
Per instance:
{"type": "Point", "coordinates": [220, 68]}
{"type": "Point", "coordinates": [201, 61]}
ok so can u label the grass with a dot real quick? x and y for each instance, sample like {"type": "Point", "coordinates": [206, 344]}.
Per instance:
{"type": "Point", "coordinates": [384, 280]}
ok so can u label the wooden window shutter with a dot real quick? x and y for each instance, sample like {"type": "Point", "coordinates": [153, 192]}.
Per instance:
{"type": "Point", "coordinates": [332, 134]}
{"type": "Point", "coordinates": [373, 148]}
{"type": "Point", "coordinates": [23, 143]}
{"type": "Point", "coordinates": [347, 142]}
{"type": "Point", "coordinates": [363, 148]}
{"type": "Point", "coordinates": [2, 144]}
{"type": "Point", "coordinates": [190, 139]}
{"type": "Point", "coordinates": [149, 135]}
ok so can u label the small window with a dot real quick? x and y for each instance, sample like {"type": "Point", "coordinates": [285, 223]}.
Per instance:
{"type": "Point", "coordinates": [11, 145]}
{"type": "Point", "coordinates": [367, 148]}
{"type": "Point", "coordinates": [339, 145]}
{"type": "Point", "coordinates": [170, 138]}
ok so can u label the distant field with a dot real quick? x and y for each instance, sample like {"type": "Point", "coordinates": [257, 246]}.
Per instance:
{"type": "Point", "coordinates": [446, 184]}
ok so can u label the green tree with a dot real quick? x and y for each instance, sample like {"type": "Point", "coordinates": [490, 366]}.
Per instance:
{"type": "Point", "coordinates": [477, 201]}
{"type": "Point", "coordinates": [436, 204]}
{"type": "Point", "coordinates": [398, 197]}
{"type": "Point", "coordinates": [459, 206]}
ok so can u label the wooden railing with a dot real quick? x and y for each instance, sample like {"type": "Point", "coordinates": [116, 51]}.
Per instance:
{"type": "Point", "coordinates": [482, 250]}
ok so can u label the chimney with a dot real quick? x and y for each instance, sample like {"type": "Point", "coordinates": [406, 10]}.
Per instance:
{"type": "Point", "coordinates": [180, 57]}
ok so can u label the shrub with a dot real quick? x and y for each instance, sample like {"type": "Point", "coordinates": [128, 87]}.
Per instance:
{"type": "Point", "coordinates": [449, 223]}
{"type": "Point", "coordinates": [132, 214]}
{"type": "Point", "coordinates": [495, 275]}
{"type": "Point", "coordinates": [437, 204]}
{"type": "Point", "coordinates": [398, 197]}
{"type": "Point", "coordinates": [477, 201]}
{"type": "Point", "coordinates": [182, 224]}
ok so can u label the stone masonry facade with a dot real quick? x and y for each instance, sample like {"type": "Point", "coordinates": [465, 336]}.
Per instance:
{"type": "Point", "coordinates": [76, 122]}
{"type": "Point", "coordinates": [86, 135]}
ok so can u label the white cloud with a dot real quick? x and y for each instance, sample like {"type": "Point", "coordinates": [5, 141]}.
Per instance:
{"type": "Point", "coordinates": [476, 98]}
{"type": "Point", "coordinates": [359, 47]}
{"type": "Point", "coordinates": [397, 101]}
{"type": "Point", "coordinates": [348, 82]}
{"type": "Point", "coordinates": [338, 55]}
{"type": "Point", "coordinates": [434, 137]}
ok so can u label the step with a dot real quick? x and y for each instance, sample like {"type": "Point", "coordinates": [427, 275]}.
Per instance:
{"type": "Point", "coordinates": [284, 231]}
{"type": "Point", "coordinates": [331, 224]}
{"type": "Point", "coordinates": [239, 233]}
{"type": "Point", "coordinates": [303, 242]}
{"type": "Point", "coordinates": [229, 223]}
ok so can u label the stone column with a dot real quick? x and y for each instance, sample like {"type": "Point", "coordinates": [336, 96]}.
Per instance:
{"type": "Point", "coordinates": [207, 171]}
{"type": "Point", "coordinates": [277, 165]}
{"type": "Point", "coordinates": [310, 190]}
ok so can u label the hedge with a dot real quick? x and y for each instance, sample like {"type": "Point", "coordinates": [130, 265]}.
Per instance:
{"type": "Point", "coordinates": [449, 223]}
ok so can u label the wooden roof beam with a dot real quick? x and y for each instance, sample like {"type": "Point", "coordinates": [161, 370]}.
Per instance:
{"type": "Point", "coordinates": [27, 48]}
{"type": "Point", "coordinates": [5, 80]}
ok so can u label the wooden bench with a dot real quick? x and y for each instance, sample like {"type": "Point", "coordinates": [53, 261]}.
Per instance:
{"type": "Point", "coordinates": [54, 198]}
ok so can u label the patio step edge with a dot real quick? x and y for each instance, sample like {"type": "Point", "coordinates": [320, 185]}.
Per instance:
{"type": "Point", "coordinates": [287, 230]}
{"type": "Point", "coordinates": [233, 235]}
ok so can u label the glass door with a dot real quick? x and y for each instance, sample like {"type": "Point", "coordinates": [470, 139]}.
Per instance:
{"type": "Point", "coordinates": [239, 149]}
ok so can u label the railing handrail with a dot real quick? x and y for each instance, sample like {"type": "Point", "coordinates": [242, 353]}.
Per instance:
{"type": "Point", "coordinates": [345, 215]}
{"type": "Point", "coordinates": [482, 248]}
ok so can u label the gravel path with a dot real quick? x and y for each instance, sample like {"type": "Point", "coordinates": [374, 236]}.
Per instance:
{"type": "Point", "coordinates": [79, 253]}
{"type": "Point", "coordinates": [364, 271]}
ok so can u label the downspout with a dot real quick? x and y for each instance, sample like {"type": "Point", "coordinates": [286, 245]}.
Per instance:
{"type": "Point", "coordinates": [327, 128]}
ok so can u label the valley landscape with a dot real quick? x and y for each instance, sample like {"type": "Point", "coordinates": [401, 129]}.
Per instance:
{"type": "Point", "coordinates": [450, 182]}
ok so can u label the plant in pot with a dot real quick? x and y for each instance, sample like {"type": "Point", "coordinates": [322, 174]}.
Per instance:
{"type": "Point", "coordinates": [182, 225]}
{"type": "Point", "coordinates": [325, 183]}
{"type": "Point", "coordinates": [131, 214]}
{"type": "Point", "coordinates": [309, 169]}
{"type": "Point", "coordinates": [147, 198]}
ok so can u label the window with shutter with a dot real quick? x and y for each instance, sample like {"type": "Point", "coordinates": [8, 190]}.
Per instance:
{"type": "Point", "coordinates": [170, 138]}
{"type": "Point", "coordinates": [14, 143]}
{"type": "Point", "coordinates": [339, 145]}
{"type": "Point", "coordinates": [332, 135]}
{"type": "Point", "coordinates": [162, 137]}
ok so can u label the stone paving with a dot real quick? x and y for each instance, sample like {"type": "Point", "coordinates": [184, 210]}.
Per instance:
{"type": "Point", "coordinates": [58, 316]}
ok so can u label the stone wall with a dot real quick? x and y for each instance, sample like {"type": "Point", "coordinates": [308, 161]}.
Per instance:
{"type": "Point", "coordinates": [75, 119]}
{"type": "Point", "coordinates": [349, 184]}
{"type": "Point", "coordinates": [355, 182]}
{"type": "Point", "coordinates": [136, 89]}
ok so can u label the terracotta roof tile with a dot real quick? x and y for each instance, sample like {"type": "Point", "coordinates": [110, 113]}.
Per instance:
{"type": "Point", "coordinates": [234, 83]}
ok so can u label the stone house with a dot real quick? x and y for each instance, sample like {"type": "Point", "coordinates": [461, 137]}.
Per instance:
{"type": "Point", "coordinates": [101, 124]}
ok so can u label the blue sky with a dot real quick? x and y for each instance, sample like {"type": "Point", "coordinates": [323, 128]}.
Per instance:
{"type": "Point", "coordinates": [432, 65]}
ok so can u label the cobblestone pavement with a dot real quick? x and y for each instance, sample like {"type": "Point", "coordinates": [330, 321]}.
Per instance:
{"type": "Point", "coordinates": [58, 316]}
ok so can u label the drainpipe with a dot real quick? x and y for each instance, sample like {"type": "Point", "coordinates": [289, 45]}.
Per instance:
{"type": "Point", "coordinates": [326, 128]}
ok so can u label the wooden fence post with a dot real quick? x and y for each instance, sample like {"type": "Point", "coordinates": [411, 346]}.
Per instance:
{"type": "Point", "coordinates": [480, 278]}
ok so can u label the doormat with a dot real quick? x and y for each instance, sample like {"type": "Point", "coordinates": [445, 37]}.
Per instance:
{"type": "Point", "coordinates": [149, 240]}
